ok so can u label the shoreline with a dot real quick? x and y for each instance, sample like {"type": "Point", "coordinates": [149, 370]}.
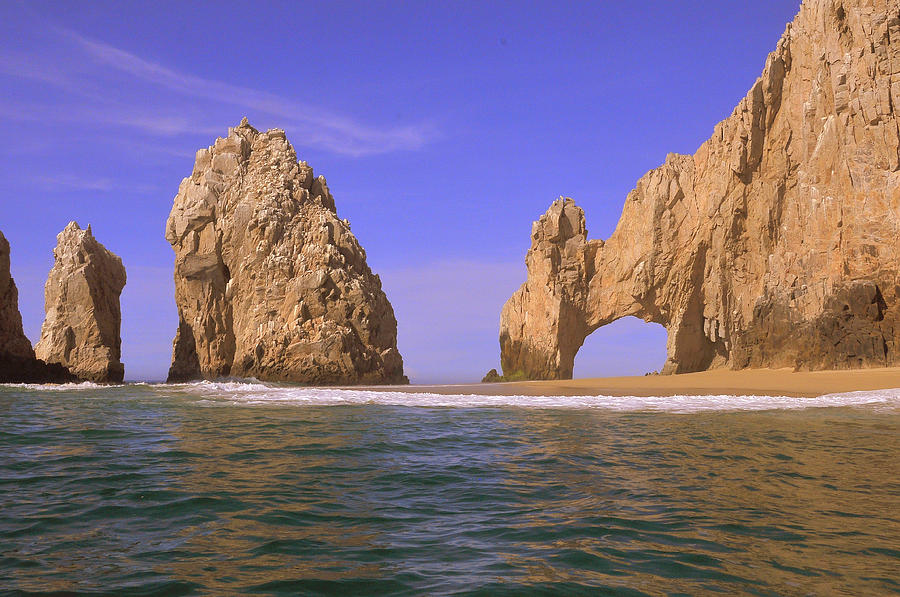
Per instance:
{"type": "Point", "coordinates": [746, 382]}
{"type": "Point", "coordinates": [760, 382]}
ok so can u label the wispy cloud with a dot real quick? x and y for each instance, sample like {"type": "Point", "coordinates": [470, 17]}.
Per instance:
{"type": "Point", "coordinates": [310, 124]}
{"type": "Point", "coordinates": [58, 74]}
{"type": "Point", "coordinates": [162, 125]}
{"type": "Point", "coordinates": [69, 182]}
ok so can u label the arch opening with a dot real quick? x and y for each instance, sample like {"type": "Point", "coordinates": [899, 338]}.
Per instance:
{"type": "Point", "coordinates": [627, 346]}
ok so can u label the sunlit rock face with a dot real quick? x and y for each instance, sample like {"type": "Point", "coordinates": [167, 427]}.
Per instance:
{"type": "Point", "coordinates": [17, 361]}
{"type": "Point", "coordinates": [775, 245]}
{"type": "Point", "coordinates": [269, 282]}
{"type": "Point", "coordinates": [82, 328]}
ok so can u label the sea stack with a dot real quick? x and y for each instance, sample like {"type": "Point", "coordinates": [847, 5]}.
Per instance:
{"type": "Point", "coordinates": [17, 361]}
{"type": "Point", "coordinates": [81, 298]}
{"type": "Point", "coordinates": [269, 282]}
{"type": "Point", "coordinates": [775, 245]}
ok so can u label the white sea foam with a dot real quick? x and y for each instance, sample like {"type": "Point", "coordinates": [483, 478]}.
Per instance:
{"type": "Point", "coordinates": [252, 392]}
{"type": "Point", "coordinates": [255, 393]}
{"type": "Point", "coordinates": [60, 387]}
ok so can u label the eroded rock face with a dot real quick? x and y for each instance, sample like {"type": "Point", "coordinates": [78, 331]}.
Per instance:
{"type": "Point", "coordinates": [17, 361]}
{"type": "Point", "coordinates": [82, 328]}
{"type": "Point", "coordinates": [269, 282]}
{"type": "Point", "coordinates": [775, 245]}
{"type": "Point", "coordinates": [12, 337]}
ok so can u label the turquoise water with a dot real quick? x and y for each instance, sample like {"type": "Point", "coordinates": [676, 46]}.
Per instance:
{"type": "Point", "coordinates": [223, 489]}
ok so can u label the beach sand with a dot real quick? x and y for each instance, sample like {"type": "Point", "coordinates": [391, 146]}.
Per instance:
{"type": "Point", "coordinates": [765, 382]}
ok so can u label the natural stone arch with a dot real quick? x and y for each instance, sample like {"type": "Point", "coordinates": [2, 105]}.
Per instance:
{"type": "Point", "coordinates": [774, 245]}
{"type": "Point", "coordinates": [574, 288]}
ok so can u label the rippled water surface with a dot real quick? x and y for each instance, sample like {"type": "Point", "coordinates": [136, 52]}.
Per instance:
{"type": "Point", "coordinates": [221, 489]}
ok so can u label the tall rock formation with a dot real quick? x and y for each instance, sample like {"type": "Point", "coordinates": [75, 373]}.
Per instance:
{"type": "Point", "coordinates": [81, 298]}
{"type": "Point", "coordinates": [13, 342]}
{"type": "Point", "coordinates": [269, 282]}
{"type": "Point", "coordinates": [775, 245]}
{"type": "Point", "coordinates": [17, 361]}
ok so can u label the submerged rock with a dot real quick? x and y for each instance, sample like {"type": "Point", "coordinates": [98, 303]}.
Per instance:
{"type": "Point", "coordinates": [775, 245]}
{"type": "Point", "coordinates": [17, 361]}
{"type": "Point", "coordinates": [82, 327]}
{"type": "Point", "coordinates": [269, 282]}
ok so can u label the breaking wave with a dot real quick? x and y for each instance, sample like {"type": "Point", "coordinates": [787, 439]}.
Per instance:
{"type": "Point", "coordinates": [256, 393]}
{"type": "Point", "coordinates": [63, 387]}
{"type": "Point", "coordinates": [252, 392]}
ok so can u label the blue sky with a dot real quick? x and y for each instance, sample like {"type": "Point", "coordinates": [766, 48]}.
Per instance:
{"type": "Point", "coordinates": [444, 130]}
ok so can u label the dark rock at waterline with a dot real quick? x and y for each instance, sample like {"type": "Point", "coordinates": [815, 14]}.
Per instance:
{"type": "Point", "coordinates": [15, 369]}
{"type": "Point", "coordinates": [492, 376]}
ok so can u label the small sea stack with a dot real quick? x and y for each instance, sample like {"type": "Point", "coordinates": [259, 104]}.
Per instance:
{"type": "Point", "coordinates": [17, 360]}
{"type": "Point", "coordinates": [82, 327]}
{"type": "Point", "coordinates": [269, 282]}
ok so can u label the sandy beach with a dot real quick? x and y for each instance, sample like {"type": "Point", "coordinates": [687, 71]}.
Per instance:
{"type": "Point", "coordinates": [771, 382]}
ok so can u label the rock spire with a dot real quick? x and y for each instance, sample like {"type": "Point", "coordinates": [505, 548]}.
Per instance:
{"type": "Point", "coordinates": [775, 245]}
{"type": "Point", "coordinates": [81, 298]}
{"type": "Point", "coordinates": [269, 282]}
{"type": "Point", "coordinates": [17, 361]}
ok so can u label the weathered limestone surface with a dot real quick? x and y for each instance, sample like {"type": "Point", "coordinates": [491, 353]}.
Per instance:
{"type": "Point", "coordinates": [82, 328]}
{"type": "Point", "coordinates": [17, 361]}
{"type": "Point", "coordinates": [269, 282]}
{"type": "Point", "coordinates": [775, 245]}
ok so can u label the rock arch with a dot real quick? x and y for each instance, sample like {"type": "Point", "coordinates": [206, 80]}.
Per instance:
{"type": "Point", "coordinates": [774, 245]}
{"type": "Point", "coordinates": [576, 286]}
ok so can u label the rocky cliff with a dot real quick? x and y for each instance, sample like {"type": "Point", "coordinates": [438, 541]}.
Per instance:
{"type": "Point", "coordinates": [775, 245]}
{"type": "Point", "coordinates": [269, 282]}
{"type": "Point", "coordinates": [81, 299]}
{"type": "Point", "coordinates": [12, 337]}
{"type": "Point", "coordinates": [17, 361]}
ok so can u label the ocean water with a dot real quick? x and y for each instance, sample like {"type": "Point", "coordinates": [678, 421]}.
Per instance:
{"type": "Point", "coordinates": [247, 488]}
